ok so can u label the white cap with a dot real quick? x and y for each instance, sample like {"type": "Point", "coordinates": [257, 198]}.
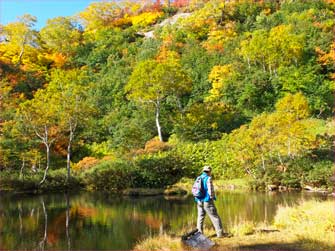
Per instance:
{"type": "Point", "coordinates": [207, 169]}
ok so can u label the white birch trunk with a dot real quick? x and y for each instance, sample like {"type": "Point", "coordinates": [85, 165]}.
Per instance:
{"type": "Point", "coordinates": [157, 122]}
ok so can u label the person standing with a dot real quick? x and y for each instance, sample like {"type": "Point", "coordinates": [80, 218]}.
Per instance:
{"type": "Point", "coordinates": [206, 204]}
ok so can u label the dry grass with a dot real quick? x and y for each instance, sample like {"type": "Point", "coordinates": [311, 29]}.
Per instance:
{"type": "Point", "coordinates": [308, 226]}
{"type": "Point", "coordinates": [159, 243]}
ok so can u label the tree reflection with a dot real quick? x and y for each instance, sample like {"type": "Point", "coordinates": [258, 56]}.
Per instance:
{"type": "Point", "coordinates": [43, 241]}
{"type": "Point", "coordinates": [67, 221]}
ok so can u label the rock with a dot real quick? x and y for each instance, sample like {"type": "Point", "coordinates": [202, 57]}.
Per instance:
{"type": "Point", "coordinates": [282, 188]}
{"type": "Point", "coordinates": [309, 188]}
{"type": "Point", "coordinates": [272, 187]}
{"type": "Point", "coordinates": [168, 21]}
{"type": "Point", "coordinates": [175, 191]}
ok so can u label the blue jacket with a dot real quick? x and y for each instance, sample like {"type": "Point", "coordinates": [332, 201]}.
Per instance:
{"type": "Point", "coordinates": [206, 182]}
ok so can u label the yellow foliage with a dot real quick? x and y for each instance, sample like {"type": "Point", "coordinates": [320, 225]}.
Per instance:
{"type": "Point", "coordinates": [121, 22]}
{"type": "Point", "coordinates": [283, 133]}
{"type": "Point", "coordinates": [218, 36]}
{"type": "Point", "coordinates": [100, 14]}
{"type": "Point", "coordinates": [146, 18]}
{"type": "Point", "coordinates": [217, 77]}
{"type": "Point", "coordinates": [295, 104]}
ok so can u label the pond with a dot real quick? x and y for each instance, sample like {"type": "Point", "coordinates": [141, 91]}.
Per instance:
{"type": "Point", "coordinates": [97, 221]}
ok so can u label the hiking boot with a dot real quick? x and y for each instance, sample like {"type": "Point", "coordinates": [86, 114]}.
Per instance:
{"type": "Point", "coordinates": [224, 235]}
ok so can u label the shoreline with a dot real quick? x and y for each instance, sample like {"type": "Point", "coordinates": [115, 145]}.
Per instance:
{"type": "Point", "coordinates": [308, 226]}
{"type": "Point", "coordinates": [172, 191]}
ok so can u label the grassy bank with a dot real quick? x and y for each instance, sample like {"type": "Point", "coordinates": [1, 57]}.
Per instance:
{"type": "Point", "coordinates": [307, 226]}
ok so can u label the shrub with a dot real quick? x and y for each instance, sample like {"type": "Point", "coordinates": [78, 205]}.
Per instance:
{"type": "Point", "coordinates": [12, 181]}
{"type": "Point", "coordinates": [159, 170]}
{"type": "Point", "coordinates": [153, 146]}
{"type": "Point", "coordinates": [56, 180]}
{"type": "Point", "coordinates": [320, 175]}
{"type": "Point", "coordinates": [110, 176]}
{"type": "Point", "coordinates": [86, 163]}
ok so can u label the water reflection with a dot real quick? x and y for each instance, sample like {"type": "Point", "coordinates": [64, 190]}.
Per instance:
{"type": "Point", "coordinates": [106, 222]}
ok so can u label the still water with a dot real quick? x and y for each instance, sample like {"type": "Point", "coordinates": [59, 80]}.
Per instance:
{"type": "Point", "coordinates": [96, 221]}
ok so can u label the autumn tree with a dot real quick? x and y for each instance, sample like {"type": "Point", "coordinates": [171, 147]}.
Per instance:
{"type": "Point", "coordinates": [39, 117]}
{"type": "Point", "coordinates": [61, 35]}
{"type": "Point", "coordinates": [279, 47]}
{"type": "Point", "coordinates": [100, 14]}
{"type": "Point", "coordinates": [69, 94]}
{"type": "Point", "coordinates": [274, 137]}
{"type": "Point", "coordinates": [153, 82]}
{"type": "Point", "coordinates": [17, 37]}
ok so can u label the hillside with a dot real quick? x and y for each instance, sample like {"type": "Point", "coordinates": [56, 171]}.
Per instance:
{"type": "Point", "coordinates": [154, 92]}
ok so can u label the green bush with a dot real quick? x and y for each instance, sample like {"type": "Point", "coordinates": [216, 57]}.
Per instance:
{"type": "Point", "coordinates": [320, 174]}
{"type": "Point", "coordinates": [159, 170]}
{"type": "Point", "coordinates": [12, 181]}
{"type": "Point", "coordinates": [108, 175]}
{"type": "Point", "coordinates": [55, 181]}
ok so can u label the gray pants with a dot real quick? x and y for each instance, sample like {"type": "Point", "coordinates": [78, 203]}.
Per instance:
{"type": "Point", "coordinates": [210, 209]}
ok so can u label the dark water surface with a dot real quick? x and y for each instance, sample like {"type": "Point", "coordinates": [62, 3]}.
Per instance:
{"type": "Point", "coordinates": [96, 221]}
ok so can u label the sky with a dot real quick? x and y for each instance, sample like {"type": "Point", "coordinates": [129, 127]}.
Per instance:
{"type": "Point", "coordinates": [42, 9]}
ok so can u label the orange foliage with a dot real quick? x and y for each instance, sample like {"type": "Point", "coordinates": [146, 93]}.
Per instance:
{"type": "Point", "coordinates": [153, 146]}
{"type": "Point", "coordinates": [218, 36]}
{"type": "Point", "coordinates": [86, 163]}
{"type": "Point", "coordinates": [58, 59]}
{"type": "Point", "coordinates": [166, 54]}
{"type": "Point", "coordinates": [325, 58]}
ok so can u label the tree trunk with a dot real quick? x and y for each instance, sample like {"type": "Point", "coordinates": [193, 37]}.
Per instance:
{"type": "Point", "coordinates": [21, 170]}
{"type": "Point", "coordinates": [22, 51]}
{"type": "Point", "coordinates": [68, 159]}
{"type": "Point", "coordinates": [157, 122]}
{"type": "Point", "coordinates": [263, 162]}
{"type": "Point", "coordinates": [20, 57]}
{"type": "Point", "coordinates": [48, 163]}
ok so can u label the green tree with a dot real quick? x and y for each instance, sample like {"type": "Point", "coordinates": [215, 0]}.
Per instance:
{"type": "Point", "coordinates": [153, 82]}
{"type": "Point", "coordinates": [39, 118]}
{"type": "Point", "coordinates": [61, 35]}
{"type": "Point", "coordinates": [68, 91]}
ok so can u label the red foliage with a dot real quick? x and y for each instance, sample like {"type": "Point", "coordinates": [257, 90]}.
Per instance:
{"type": "Point", "coordinates": [181, 3]}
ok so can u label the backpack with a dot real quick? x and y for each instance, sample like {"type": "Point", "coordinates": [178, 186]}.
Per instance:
{"type": "Point", "coordinates": [198, 189]}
